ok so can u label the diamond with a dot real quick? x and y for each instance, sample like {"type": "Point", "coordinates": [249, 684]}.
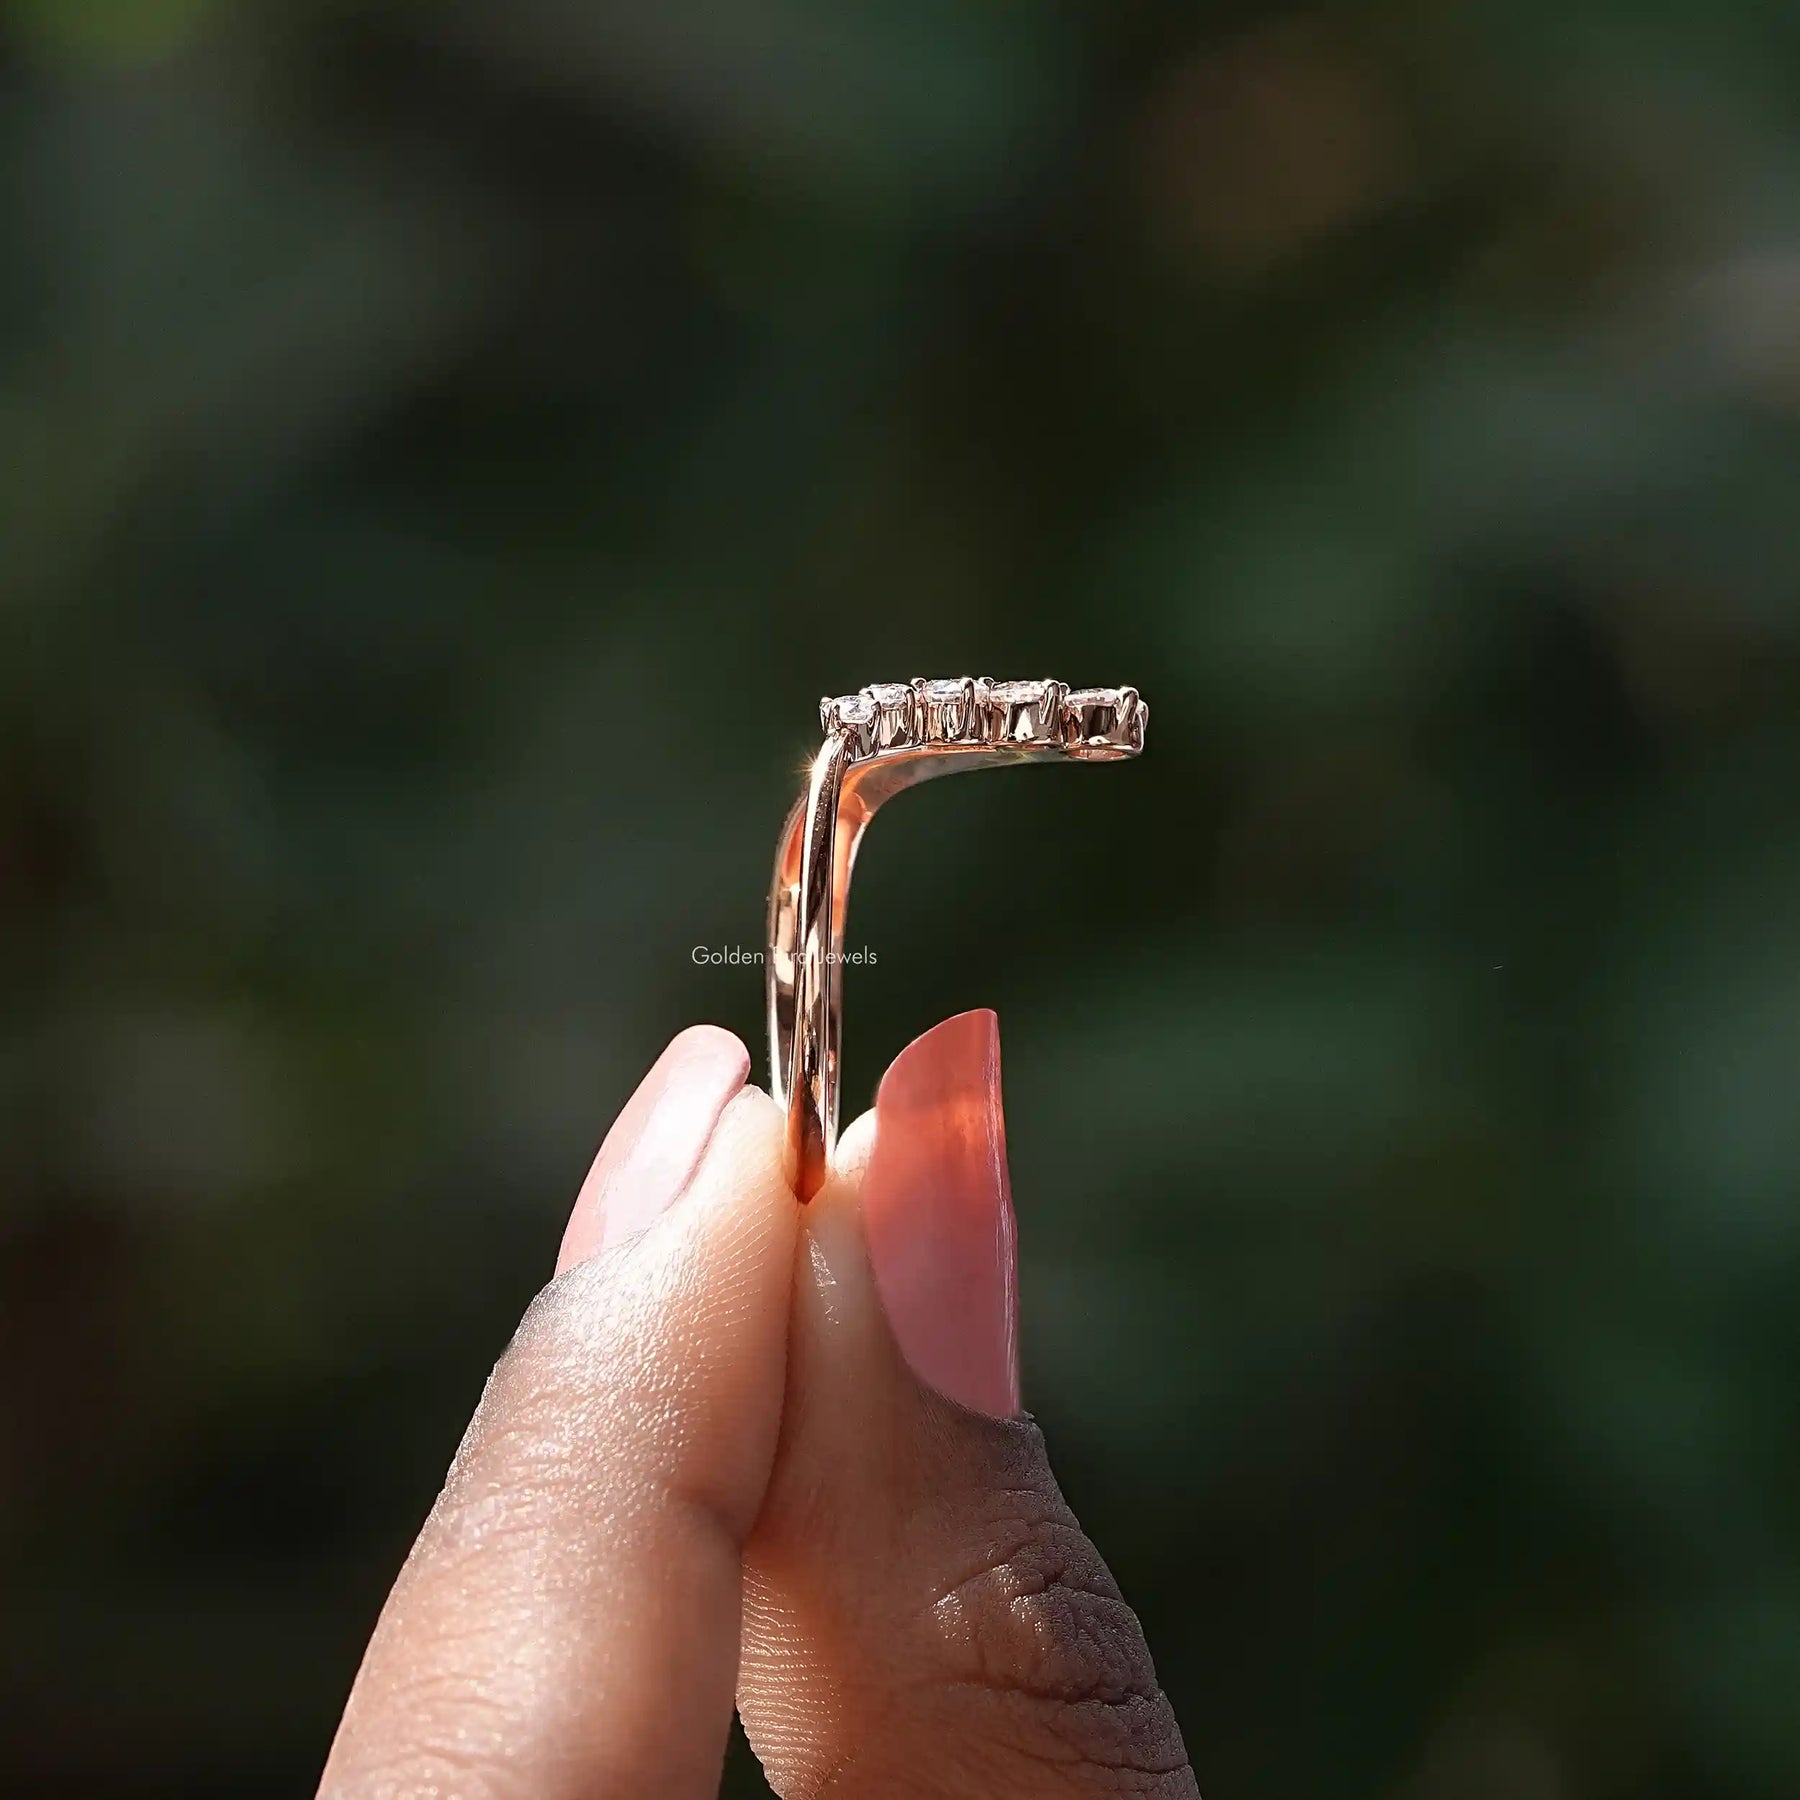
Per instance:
{"type": "Point", "coordinates": [947, 712]}
{"type": "Point", "coordinates": [1095, 724]}
{"type": "Point", "coordinates": [1102, 721]}
{"type": "Point", "coordinates": [1023, 712]}
{"type": "Point", "coordinates": [895, 725]}
{"type": "Point", "coordinates": [854, 715]}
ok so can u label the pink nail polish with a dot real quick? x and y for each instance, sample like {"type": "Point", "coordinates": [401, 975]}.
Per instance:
{"type": "Point", "coordinates": [656, 1143]}
{"type": "Point", "coordinates": [938, 1214]}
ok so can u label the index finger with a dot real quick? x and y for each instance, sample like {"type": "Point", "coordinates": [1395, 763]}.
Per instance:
{"type": "Point", "coordinates": [567, 1623]}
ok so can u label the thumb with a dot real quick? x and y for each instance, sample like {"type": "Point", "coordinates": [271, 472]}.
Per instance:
{"type": "Point", "coordinates": [922, 1612]}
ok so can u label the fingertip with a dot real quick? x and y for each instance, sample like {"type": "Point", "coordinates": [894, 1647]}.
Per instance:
{"type": "Point", "coordinates": [938, 1214]}
{"type": "Point", "coordinates": [965, 1040]}
{"type": "Point", "coordinates": [712, 1044]}
{"type": "Point", "coordinates": [746, 1145]}
{"type": "Point", "coordinates": [739, 1205]}
{"type": "Point", "coordinates": [656, 1143]}
{"type": "Point", "coordinates": [841, 1280]}
{"type": "Point", "coordinates": [854, 1148]}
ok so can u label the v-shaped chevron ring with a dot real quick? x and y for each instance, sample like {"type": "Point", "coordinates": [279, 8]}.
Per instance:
{"type": "Point", "coordinates": [877, 742]}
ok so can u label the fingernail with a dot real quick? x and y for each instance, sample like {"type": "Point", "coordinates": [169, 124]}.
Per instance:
{"type": "Point", "coordinates": [938, 1214]}
{"type": "Point", "coordinates": [656, 1143]}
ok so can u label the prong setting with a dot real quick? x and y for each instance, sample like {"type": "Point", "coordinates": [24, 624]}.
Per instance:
{"type": "Point", "coordinates": [948, 713]}
{"type": "Point", "coordinates": [1096, 724]}
{"type": "Point", "coordinates": [854, 715]}
{"type": "Point", "coordinates": [1024, 713]}
{"type": "Point", "coordinates": [896, 723]}
{"type": "Point", "coordinates": [1101, 722]}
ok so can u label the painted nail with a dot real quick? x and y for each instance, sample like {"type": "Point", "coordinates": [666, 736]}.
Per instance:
{"type": "Point", "coordinates": [938, 1214]}
{"type": "Point", "coordinates": [656, 1143]}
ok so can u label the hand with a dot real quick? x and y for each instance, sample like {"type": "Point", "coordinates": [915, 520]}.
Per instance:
{"type": "Point", "coordinates": [741, 1448]}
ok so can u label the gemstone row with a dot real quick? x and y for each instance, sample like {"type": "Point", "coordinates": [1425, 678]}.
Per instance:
{"type": "Point", "coordinates": [894, 715]}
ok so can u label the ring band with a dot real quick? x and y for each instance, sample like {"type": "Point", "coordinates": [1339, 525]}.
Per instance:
{"type": "Point", "coordinates": [888, 737]}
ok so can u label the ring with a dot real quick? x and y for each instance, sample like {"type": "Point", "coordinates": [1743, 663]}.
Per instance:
{"type": "Point", "coordinates": [890, 736]}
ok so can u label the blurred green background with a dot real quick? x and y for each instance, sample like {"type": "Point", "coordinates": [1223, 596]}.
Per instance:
{"type": "Point", "coordinates": [448, 449]}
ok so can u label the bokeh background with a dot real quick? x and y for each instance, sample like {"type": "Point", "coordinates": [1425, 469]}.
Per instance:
{"type": "Point", "coordinates": [448, 449]}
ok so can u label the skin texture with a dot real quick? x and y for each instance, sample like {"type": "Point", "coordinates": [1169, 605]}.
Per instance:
{"type": "Point", "coordinates": [706, 1464]}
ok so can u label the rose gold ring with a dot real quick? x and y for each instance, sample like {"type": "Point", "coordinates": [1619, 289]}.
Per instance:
{"type": "Point", "coordinates": [886, 738]}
